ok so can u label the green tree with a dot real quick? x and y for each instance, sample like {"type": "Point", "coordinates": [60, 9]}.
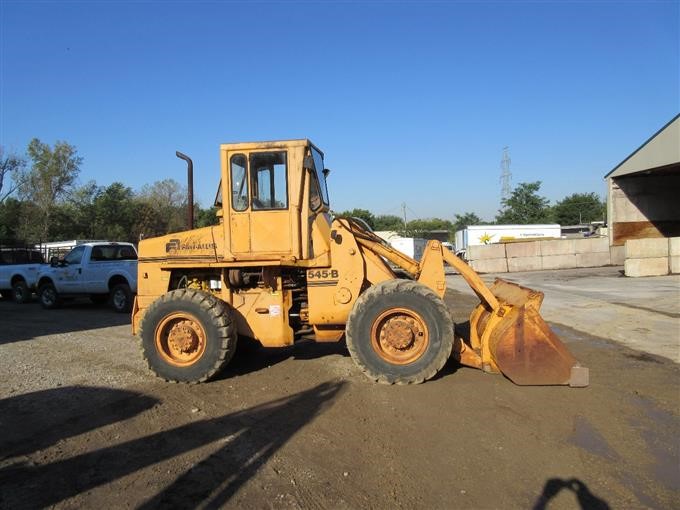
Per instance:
{"type": "Point", "coordinates": [80, 214]}
{"type": "Point", "coordinates": [10, 215]}
{"type": "Point", "coordinates": [525, 206]}
{"type": "Point", "coordinates": [114, 210]}
{"type": "Point", "coordinates": [465, 220]}
{"type": "Point", "coordinates": [205, 217]}
{"type": "Point", "coordinates": [421, 227]}
{"type": "Point", "coordinates": [11, 167]}
{"type": "Point", "coordinates": [161, 208]}
{"type": "Point", "coordinates": [388, 222]}
{"type": "Point", "coordinates": [579, 208]}
{"type": "Point", "coordinates": [51, 177]}
{"type": "Point", "coordinates": [363, 214]}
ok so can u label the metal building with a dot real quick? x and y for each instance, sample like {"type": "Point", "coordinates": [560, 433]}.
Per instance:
{"type": "Point", "coordinates": [643, 197]}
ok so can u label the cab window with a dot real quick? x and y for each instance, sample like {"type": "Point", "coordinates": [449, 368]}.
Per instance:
{"type": "Point", "coordinates": [269, 180]}
{"type": "Point", "coordinates": [314, 193]}
{"type": "Point", "coordinates": [239, 183]}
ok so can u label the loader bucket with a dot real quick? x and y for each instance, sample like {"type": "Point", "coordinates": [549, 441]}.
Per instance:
{"type": "Point", "coordinates": [515, 340]}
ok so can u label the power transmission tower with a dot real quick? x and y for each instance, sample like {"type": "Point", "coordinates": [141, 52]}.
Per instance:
{"type": "Point", "coordinates": [505, 175]}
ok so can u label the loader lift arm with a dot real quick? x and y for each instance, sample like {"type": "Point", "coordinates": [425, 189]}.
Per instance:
{"type": "Point", "coordinates": [507, 333]}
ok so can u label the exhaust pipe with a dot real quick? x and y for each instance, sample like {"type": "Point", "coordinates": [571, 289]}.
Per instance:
{"type": "Point", "coordinates": [190, 188]}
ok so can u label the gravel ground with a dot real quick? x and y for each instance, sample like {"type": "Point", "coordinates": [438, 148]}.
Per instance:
{"type": "Point", "coordinates": [85, 424]}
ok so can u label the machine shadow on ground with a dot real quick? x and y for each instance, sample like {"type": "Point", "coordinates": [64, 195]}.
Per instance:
{"type": "Point", "coordinates": [249, 439]}
{"type": "Point", "coordinates": [28, 321]}
{"type": "Point", "coordinates": [38, 420]}
{"type": "Point", "coordinates": [252, 357]}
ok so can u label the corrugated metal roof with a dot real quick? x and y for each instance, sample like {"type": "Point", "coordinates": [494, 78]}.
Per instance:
{"type": "Point", "coordinates": [660, 150]}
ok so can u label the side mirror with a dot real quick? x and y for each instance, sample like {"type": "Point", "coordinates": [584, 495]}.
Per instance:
{"type": "Point", "coordinates": [326, 172]}
{"type": "Point", "coordinates": [308, 163]}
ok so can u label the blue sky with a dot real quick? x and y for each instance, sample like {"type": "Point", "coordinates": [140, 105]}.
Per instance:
{"type": "Point", "coordinates": [411, 101]}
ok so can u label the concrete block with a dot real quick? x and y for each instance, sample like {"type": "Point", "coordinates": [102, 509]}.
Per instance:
{"type": "Point", "coordinates": [559, 261]}
{"type": "Point", "coordinates": [487, 251]}
{"type": "Point", "coordinates": [530, 249]}
{"type": "Point", "coordinates": [617, 254]}
{"type": "Point", "coordinates": [598, 259]}
{"type": "Point", "coordinates": [490, 265]}
{"type": "Point", "coordinates": [674, 246]}
{"type": "Point", "coordinates": [647, 248]}
{"type": "Point", "coordinates": [592, 245]}
{"type": "Point", "coordinates": [557, 247]}
{"type": "Point", "coordinates": [499, 265]}
{"type": "Point", "coordinates": [646, 267]}
{"type": "Point", "coordinates": [674, 264]}
{"type": "Point", "coordinates": [525, 263]}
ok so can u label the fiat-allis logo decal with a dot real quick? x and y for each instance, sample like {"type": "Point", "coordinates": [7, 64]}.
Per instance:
{"type": "Point", "coordinates": [175, 245]}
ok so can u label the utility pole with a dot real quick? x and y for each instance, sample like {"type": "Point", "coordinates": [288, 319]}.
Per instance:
{"type": "Point", "coordinates": [505, 175]}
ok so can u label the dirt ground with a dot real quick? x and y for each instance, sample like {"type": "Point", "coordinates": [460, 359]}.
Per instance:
{"type": "Point", "coordinates": [84, 424]}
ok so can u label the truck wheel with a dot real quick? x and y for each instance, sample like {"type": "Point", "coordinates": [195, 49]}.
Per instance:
{"type": "Point", "coordinates": [121, 298]}
{"type": "Point", "coordinates": [399, 331]}
{"type": "Point", "coordinates": [20, 292]}
{"type": "Point", "coordinates": [48, 296]}
{"type": "Point", "coordinates": [187, 336]}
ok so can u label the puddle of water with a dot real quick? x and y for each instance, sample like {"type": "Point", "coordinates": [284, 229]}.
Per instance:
{"type": "Point", "coordinates": [642, 357]}
{"type": "Point", "coordinates": [659, 433]}
{"type": "Point", "coordinates": [586, 437]}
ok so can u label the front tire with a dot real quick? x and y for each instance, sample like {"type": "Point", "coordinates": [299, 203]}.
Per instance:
{"type": "Point", "coordinates": [48, 296]}
{"type": "Point", "coordinates": [400, 331]}
{"type": "Point", "coordinates": [20, 292]}
{"type": "Point", "coordinates": [187, 336]}
{"type": "Point", "coordinates": [121, 298]}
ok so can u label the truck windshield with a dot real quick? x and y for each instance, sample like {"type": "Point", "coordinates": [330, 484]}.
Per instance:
{"type": "Point", "coordinates": [75, 255]}
{"type": "Point", "coordinates": [318, 166]}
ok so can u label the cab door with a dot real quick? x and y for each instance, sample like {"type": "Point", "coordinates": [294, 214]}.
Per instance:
{"type": "Point", "coordinates": [69, 277]}
{"type": "Point", "coordinates": [239, 200]}
{"type": "Point", "coordinates": [259, 217]}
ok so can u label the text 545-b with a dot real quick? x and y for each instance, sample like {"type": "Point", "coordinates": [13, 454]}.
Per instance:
{"type": "Point", "coordinates": [323, 274]}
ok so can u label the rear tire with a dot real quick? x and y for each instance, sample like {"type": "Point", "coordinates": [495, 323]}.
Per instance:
{"type": "Point", "coordinates": [187, 336]}
{"type": "Point", "coordinates": [48, 296]}
{"type": "Point", "coordinates": [20, 292]}
{"type": "Point", "coordinates": [400, 331]}
{"type": "Point", "coordinates": [121, 298]}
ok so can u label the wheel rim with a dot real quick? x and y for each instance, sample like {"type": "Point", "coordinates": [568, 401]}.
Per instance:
{"type": "Point", "coordinates": [49, 296]}
{"type": "Point", "coordinates": [180, 339]}
{"type": "Point", "coordinates": [119, 299]}
{"type": "Point", "coordinates": [399, 336]}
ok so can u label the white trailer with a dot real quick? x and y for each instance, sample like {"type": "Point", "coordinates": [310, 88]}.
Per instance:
{"type": "Point", "coordinates": [476, 235]}
{"type": "Point", "coordinates": [411, 246]}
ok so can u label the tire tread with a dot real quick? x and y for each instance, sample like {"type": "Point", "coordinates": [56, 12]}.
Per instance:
{"type": "Point", "coordinates": [220, 316]}
{"type": "Point", "coordinates": [380, 291]}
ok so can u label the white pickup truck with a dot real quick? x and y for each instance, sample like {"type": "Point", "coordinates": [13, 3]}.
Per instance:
{"type": "Point", "coordinates": [102, 271]}
{"type": "Point", "coordinates": [19, 268]}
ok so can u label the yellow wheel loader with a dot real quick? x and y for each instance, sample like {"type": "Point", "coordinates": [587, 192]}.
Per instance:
{"type": "Point", "coordinates": [277, 267]}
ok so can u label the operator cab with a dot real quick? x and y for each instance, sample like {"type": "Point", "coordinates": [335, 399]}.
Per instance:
{"type": "Point", "coordinates": [274, 192]}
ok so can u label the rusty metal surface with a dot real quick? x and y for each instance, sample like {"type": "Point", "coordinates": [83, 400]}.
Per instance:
{"type": "Point", "coordinates": [516, 341]}
{"type": "Point", "coordinates": [528, 352]}
{"type": "Point", "coordinates": [399, 336]}
{"type": "Point", "coordinates": [516, 295]}
{"type": "Point", "coordinates": [180, 339]}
